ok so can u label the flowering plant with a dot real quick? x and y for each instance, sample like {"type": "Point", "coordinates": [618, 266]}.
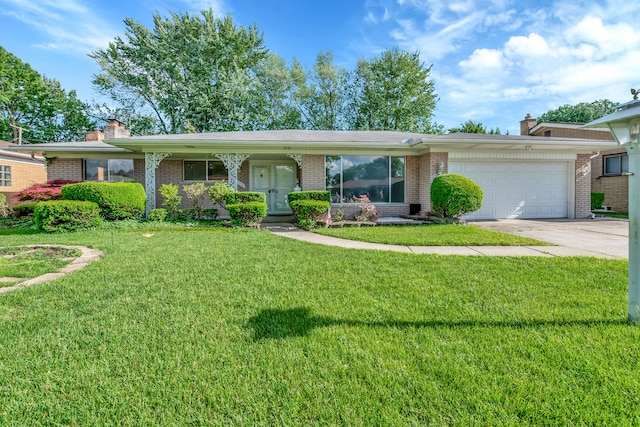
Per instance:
{"type": "Point", "coordinates": [368, 211]}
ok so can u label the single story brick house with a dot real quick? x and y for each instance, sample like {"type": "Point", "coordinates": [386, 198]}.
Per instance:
{"type": "Point", "coordinates": [19, 171]}
{"type": "Point", "coordinates": [607, 166]}
{"type": "Point", "coordinates": [521, 176]}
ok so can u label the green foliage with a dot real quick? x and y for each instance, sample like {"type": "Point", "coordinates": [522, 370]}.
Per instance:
{"type": "Point", "coordinates": [596, 200]}
{"type": "Point", "coordinates": [310, 212]}
{"type": "Point", "coordinates": [583, 112]}
{"type": "Point", "coordinates": [453, 195]}
{"type": "Point", "coordinates": [320, 195]}
{"type": "Point", "coordinates": [24, 210]}
{"type": "Point", "coordinates": [39, 105]}
{"type": "Point", "coordinates": [117, 200]}
{"type": "Point", "coordinates": [158, 215]}
{"type": "Point", "coordinates": [248, 213]}
{"type": "Point", "coordinates": [218, 192]}
{"type": "Point", "coordinates": [393, 92]}
{"type": "Point", "coordinates": [4, 207]}
{"type": "Point", "coordinates": [195, 193]}
{"type": "Point", "coordinates": [170, 198]}
{"type": "Point", "coordinates": [475, 127]}
{"type": "Point", "coordinates": [66, 215]}
{"type": "Point", "coordinates": [156, 68]}
{"type": "Point", "coordinates": [237, 197]}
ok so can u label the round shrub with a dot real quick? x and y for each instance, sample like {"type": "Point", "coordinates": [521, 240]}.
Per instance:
{"type": "Point", "coordinates": [24, 210]}
{"type": "Point", "coordinates": [66, 215]}
{"type": "Point", "coordinates": [117, 200]}
{"type": "Point", "coordinates": [597, 198]}
{"type": "Point", "coordinates": [250, 213]}
{"type": "Point", "coordinates": [157, 215]}
{"type": "Point", "coordinates": [453, 196]}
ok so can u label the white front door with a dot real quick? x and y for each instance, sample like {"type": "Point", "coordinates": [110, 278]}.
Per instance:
{"type": "Point", "coordinates": [275, 179]}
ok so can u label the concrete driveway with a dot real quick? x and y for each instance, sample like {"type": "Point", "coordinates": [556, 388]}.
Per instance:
{"type": "Point", "coordinates": [601, 236]}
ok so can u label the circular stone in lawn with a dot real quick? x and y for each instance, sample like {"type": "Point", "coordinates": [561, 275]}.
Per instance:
{"type": "Point", "coordinates": [86, 256]}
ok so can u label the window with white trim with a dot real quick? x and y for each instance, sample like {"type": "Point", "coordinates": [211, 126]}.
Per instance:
{"type": "Point", "coordinates": [615, 164]}
{"type": "Point", "coordinates": [108, 169]}
{"type": "Point", "coordinates": [5, 176]}
{"type": "Point", "coordinates": [380, 178]}
{"type": "Point", "coordinates": [204, 170]}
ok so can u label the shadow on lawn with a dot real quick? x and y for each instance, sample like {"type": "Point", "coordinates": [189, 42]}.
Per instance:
{"type": "Point", "coordinates": [298, 322]}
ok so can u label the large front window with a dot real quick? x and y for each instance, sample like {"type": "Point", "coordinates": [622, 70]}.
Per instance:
{"type": "Point", "coordinates": [380, 178]}
{"type": "Point", "coordinates": [108, 170]}
{"type": "Point", "coordinates": [5, 176]}
{"type": "Point", "coordinates": [204, 170]}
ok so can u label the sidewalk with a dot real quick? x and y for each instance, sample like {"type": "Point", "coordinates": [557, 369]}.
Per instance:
{"type": "Point", "coordinates": [292, 232]}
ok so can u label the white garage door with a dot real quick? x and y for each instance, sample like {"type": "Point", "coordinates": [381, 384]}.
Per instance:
{"type": "Point", "coordinates": [518, 189]}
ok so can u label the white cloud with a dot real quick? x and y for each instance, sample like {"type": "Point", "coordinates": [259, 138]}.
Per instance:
{"type": "Point", "coordinates": [52, 18]}
{"type": "Point", "coordinates": [218, 6]}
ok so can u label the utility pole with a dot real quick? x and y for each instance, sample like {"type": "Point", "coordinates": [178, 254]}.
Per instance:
{"type": "Point", "coordinates": [19, 133]}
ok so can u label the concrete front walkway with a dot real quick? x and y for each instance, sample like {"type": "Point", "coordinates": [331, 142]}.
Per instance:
{"type": "Point", "coordinates": [596, 238]}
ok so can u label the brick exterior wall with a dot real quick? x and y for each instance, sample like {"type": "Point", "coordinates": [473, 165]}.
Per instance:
{"type": "Point", "coordinates": [600, 135]}
{"type": "Point", "coordinates": [313, 172]}
{"type": "Point", "coordinates": [23, 175]}
{"type": "Point", "coordinates": [583, 186]}
{"type": "Point", "coordinates": [65, 169]}
{"type": "Point", "coordinates": [428, 167]}
{"type": "Point", "coordinates": [615, 188]}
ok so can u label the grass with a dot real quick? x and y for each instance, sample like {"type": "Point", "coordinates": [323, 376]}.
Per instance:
{"type": "Point", "coordinates": [431, 235]}
{"type": "Point", "coordinates": [241, 327]}
{"type": "Point", "coordinates": [26, 262]}
{"type": "Point", "coordinates": [622, 215]}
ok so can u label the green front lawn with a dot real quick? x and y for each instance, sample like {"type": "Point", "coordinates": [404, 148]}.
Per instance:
{"type": "Point", "coordinates": [242, 327]}
{"type": "Point", "coordinates": [431, 235]}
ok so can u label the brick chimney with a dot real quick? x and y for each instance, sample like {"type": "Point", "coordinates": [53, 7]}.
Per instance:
{"type": "Point", "coordinates": [96, 135]}
{"type": "Point", "coordinates": [115, 129]}
{"type": "Point", "coordinates": [527, 124]}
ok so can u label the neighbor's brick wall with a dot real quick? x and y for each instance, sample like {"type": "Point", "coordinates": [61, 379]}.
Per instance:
{"type": "Point", "coordinates": [615, 188]}
{"type": "Point", "coordinates": [23, 175]}
{"type": "Point", "coordinates": [583, 186]}
{"type": "Point", "coordinates": [576, 133]}
{"type": "Point", "coordinates": [313, 172]}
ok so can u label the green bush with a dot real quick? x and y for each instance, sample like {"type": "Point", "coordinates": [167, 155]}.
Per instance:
{"type": "Point", "coordinates": [237, 197]}
{"type": "Point", "coordinates": [157, 215]}
{"type": "Point", "coordinates": [596, 200]}
{"type": "Point", "coordinates": [117, 200]}
{"type": "Point", "coordinates": [66, 215]}
{"type": "Point", "coordinates": [195, 193]}
{"type": "Point", "coordinates": [4, 207]}
{"type": "Point", "coordinates": [24, 210]}
{"type": "Point", "coordinates": [310, 212]}
{"type": "Point", "coordinates": [323, 196]}
{"type": "Point", "coordinates": [453, 196]}
{"type": "Point", "coordinates": [218, 193]}
{"type": "Point", "coordinates": [170, 198]}
{"type": "Point", "coordinates": [249, 213]}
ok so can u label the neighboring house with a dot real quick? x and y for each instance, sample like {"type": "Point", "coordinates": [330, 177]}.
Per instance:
{"type": "Point", "coordinates": [521, 176]}
{"type": "Point", "coordinates": [607, 165]}
{"type": "Point", "coordinates": [19, 171]}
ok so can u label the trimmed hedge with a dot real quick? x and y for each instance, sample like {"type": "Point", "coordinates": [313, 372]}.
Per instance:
{"type": "Point", "coordinates": [323, 196]}
{"type": "Point", "coordinates": [310, 212]}
{"type": "Point", "coordinates": [596, 200]}
{"type": "Point", "coordinates": [117, 200]}
{"type": "Point", "coordinates": [238, 197]}
{"type": "Point", "coordinates": [454, 195]}
{"type": "Point", "coordinates": [66, 215]}
{"type": "Point", "coordinates": [24, 210]}
{"type": "Point", "coordinates": [249, 213]}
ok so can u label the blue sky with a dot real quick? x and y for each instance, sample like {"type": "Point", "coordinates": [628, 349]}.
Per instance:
{"type": "Point", "coordinates": [493, 61]}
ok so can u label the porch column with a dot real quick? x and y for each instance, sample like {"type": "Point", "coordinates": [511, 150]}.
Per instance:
{"type": "Point", "coordinates": [233, 162]}
{"type": "Point", "coordinates": [151, 162]}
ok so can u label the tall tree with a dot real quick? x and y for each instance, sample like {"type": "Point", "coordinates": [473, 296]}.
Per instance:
{"type": "Point", "coordinates": [393, 92]}
{"type": "Point", "coordinates": [195, 69]}
{"type": "Point", "coordinates": [37, 105]}
{"type": "Point", "coordinates": [583, 112]}
{"type": "Point", "coordinates": [319, 94]}
{"type": "Point", "coordinates": [474, 127]}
